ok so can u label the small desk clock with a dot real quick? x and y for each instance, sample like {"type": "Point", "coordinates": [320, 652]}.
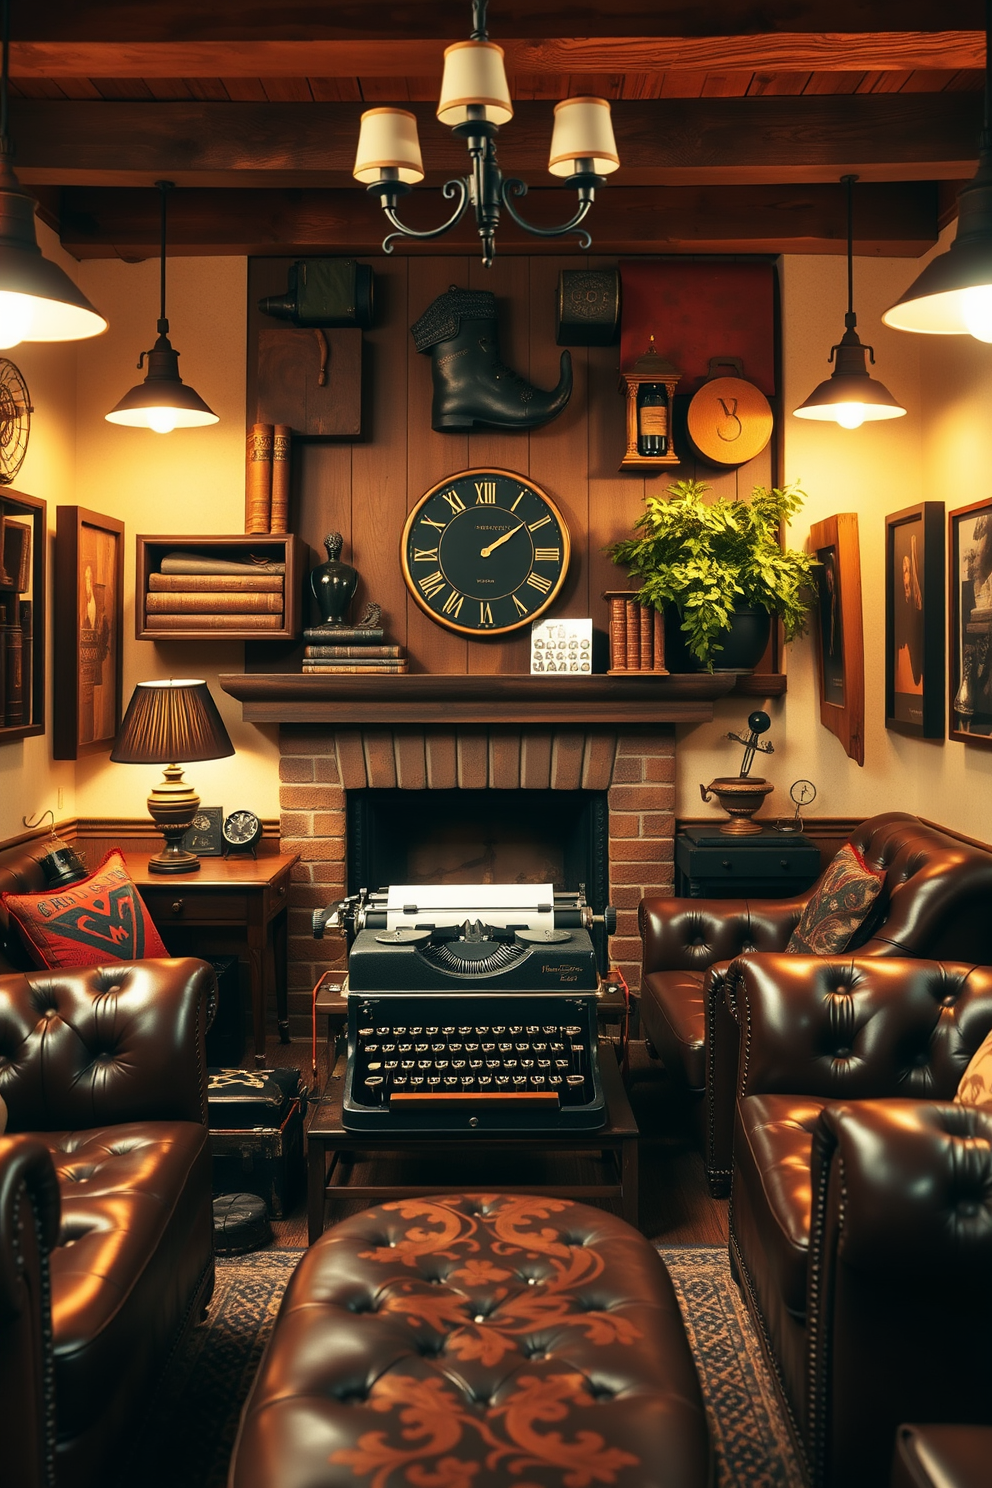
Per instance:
{"type": "Point", "coordinates": [241, 832]}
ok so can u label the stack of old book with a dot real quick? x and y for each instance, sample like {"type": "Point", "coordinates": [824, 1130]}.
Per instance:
{"type": "Point", "coordinates": [197, 591]}
{"type": "Point", "coordinates": [351, 648]}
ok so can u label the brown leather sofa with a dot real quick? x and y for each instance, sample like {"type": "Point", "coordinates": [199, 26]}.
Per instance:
{"type": "Point", "coordinates": [943, 1457]}
{"type": "Point", "coordinates": [861, 1207]}
{"type": "Point", "coordinates": [934, 902]}
{"type": "Point", "coordinates": [106, 1241]}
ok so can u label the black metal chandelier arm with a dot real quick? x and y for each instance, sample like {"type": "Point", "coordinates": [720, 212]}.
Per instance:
{"type": "Point", "coordinates": [457, 187]}
{"type": "Point", "coordinates": [515, 187]}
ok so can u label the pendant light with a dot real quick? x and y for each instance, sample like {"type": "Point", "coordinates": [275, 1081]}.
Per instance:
{"type": "Point", "coordinates": [38, 300]}
{"type": "Point", "coordinates": [953, 295]}
{"type": "Point", "coordinates": [850, 396]}
{"type": "Point", "coordinates": [162, 402]}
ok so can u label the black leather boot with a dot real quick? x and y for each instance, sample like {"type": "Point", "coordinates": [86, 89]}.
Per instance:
{"type": "Point", "coordinates": [472, 388]}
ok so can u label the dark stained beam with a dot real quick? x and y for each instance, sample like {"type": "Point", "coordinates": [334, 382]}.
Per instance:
{"type": "Point", "coordinates": [157, 21]}
{"type": "Point", "coordinates": [675, 141]}
{"type": "Point", "coordinates": [893, 219]}
{"type": "Point", "coordinates": [389, 56]}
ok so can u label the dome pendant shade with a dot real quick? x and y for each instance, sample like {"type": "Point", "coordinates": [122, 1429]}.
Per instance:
{"type": "Point", "coordinates": [950, 297]}
{"type": "Point", "coordinates": [162, 402]}
{"type": "Point", "coordinates": [850, 396]}
{"type": "Point", "coordinates": [38, 300]}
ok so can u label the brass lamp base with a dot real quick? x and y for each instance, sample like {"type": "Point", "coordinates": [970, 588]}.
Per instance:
{"type": "Point", "coordinates": [172, 806]}
{"type": "Point", "coordinates": [740, 797]}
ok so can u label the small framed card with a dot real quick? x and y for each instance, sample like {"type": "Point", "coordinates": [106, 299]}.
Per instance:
{"type": "Point", "coordinates": [204, 836]}
{"type": "Point", "coordinates": [561, 647]}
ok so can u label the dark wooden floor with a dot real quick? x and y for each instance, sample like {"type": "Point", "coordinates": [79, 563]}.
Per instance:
{"type": "Point", "coordinates": [675, 1207]}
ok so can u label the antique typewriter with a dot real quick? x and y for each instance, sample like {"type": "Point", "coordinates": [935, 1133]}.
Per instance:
{"type": "Point", "coordinates": [470, 1007]}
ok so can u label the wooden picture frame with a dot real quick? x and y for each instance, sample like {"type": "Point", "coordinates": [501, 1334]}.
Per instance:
{"type": "Point", "coordinates": [914, 620]}
{"type": "Point", "coordinates": [969, 680]}
{"type": "Point", "coordinates": [23, 551]}
{"type": "Point", "coordinates": [89, 632]}
{"type": "Point", "coordinates": [840, 652]}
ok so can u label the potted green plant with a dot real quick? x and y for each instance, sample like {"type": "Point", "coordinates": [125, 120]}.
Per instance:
{"type": "Point", "coordinates": [716, 567]}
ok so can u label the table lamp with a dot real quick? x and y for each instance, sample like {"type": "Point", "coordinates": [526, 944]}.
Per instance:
{"type": "Point", "coordinates": [166, 722]}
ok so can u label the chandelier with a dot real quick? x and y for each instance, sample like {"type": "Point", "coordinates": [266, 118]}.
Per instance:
{"type": "Point", "coordinates": [475, 101]}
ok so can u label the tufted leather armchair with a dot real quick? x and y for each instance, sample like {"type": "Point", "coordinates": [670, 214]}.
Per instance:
{"type": "Point", "coordinates": [861, 1207]}
{"type": "Point", "coordinates": [934, 902]}
{"type": "Point", "coordinates": [106, 1241]}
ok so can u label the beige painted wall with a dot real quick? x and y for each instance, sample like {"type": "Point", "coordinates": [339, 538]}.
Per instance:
{"type": "Point", "coordinates": [189, 481]}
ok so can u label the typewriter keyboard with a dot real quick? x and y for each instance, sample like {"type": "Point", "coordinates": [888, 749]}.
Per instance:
{"type": "Point", "coordinates": [526, 1062]}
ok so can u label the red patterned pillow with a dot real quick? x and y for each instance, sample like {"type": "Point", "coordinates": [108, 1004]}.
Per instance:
{"type": "Point", "coordinates": [100, 918]}
{"type": "Point", "coordinates": [838, 906]}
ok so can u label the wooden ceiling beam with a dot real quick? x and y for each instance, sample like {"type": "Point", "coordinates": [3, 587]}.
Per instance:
{"type": "Point", "coordinates": [674, 141]}
{"type": "Point", "coordinates": [892, 219]}
{"type": "Point", "coordinates": [157, 21]}
{"type": "Point", "coordinates": [391, 57]}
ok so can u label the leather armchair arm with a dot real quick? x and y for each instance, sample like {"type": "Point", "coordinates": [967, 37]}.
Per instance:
{"type": "Point", "coordinates": [856, 1027]}
{"type": "Point", "coordinates": [690, 934]}
{"type": "Point", "coordinates": [122, 1042]}
{"type": "Point", "coordinates": [29, 1223]}
{"type": "Point", "coordinates": [899, 1300]}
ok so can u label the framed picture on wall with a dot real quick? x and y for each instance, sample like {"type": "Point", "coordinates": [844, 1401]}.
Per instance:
{"type": "Point", "coordinates": [970, 682]}
{"type": "Point", "coordinates": [89, 631]}
{"type": "Point", "coordinates": [914, 620]}
{"type": "Point", "coordinates": [840, 646]}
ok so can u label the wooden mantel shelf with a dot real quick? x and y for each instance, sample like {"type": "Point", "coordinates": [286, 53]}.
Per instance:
{"type": "Point", "coordinates": [290, 697]}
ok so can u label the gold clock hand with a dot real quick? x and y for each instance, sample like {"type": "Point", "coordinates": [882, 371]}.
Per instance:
{"type": "Point", "coordinates": [486, 552]}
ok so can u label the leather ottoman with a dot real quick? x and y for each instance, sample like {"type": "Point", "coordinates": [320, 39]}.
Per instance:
{"type": "Point", "coordinates": [476, 1341]}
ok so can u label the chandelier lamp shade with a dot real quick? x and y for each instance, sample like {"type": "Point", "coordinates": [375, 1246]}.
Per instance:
{"type": "Point", "coordinates": [475, 101]}
{"type": "Point", "coordinates": [953, 295]}
{"type": "Point", "coordinates": [162, 402]}
{"type": "Point", "coordinates": [38, 300]}
{"type": "Point", "coordinates": [850, 396]}
{"type": "Point", "coordinates": [167, 722]}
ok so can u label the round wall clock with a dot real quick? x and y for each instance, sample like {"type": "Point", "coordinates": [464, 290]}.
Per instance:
{"type": "Point", "coordinates": [484, 552]}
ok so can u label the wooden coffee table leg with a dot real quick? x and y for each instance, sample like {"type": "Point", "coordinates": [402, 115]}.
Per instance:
{"type": "Point", "coordinates": [316, 1185]}
{"type": "Point", "coordinates": [628, 1179]}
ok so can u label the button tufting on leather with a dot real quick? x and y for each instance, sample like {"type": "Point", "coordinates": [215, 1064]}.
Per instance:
{"type": "Point", "coordinates": [844, 1053]}
{"type": "Point", "coordinates": [967, 1209]}
{"type": "Point", "coordinates": [949, 1000]}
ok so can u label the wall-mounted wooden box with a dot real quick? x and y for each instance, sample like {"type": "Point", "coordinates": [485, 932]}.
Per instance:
{"type": "Point", "coordinates": [268, 620]}
{"type": "Point", "coordinates": [22, 615]}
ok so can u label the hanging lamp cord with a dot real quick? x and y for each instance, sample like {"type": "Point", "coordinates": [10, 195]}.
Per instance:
{"type": "Point", "coordinates": [850, 319]}
{"type": "Point", "coordinates": [164, 188]}
{"type": "Point", "coordinates": [5, 149]}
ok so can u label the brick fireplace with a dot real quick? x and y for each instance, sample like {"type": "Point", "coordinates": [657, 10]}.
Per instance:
{"type": "Point", "coordinates": [320, 764]}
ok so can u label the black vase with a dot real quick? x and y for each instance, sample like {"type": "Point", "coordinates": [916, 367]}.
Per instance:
{"type": "Point", "coordinates": [333, 583]}
{"type": "Point", "coordinates": [742, 646]}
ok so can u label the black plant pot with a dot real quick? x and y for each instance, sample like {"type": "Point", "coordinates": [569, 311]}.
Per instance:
{"type": "Point", "coordinates": [743, 645]}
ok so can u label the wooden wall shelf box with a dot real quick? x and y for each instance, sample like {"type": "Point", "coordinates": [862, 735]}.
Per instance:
{"type": "Point", "coordinates": [23, 552]}
{"type": "Point", "coordinates": [277, 547]}
{"type": "Point", "coordinates": [293, 698]}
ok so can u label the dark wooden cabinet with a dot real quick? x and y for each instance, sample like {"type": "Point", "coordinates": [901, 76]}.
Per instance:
{"type": "Point", "coordinates": [767, 865]}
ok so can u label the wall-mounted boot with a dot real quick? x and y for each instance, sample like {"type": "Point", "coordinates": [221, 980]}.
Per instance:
{"type": "Point", "coordinates": [472, 387]}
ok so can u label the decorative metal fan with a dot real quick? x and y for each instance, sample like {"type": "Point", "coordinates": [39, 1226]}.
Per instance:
{"type": "Point", "coordinates": [15, 420]}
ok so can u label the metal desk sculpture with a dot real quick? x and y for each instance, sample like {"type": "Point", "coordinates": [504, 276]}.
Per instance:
{"type": "Point", "coordinates": [739, 795]}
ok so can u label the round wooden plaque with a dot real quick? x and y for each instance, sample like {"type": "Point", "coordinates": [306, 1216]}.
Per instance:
{"type": "Point", "coordinates": [729, 421]}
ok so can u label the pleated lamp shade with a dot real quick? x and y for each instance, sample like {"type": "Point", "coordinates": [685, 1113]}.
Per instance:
{"type": "Point", "coordinates": [171, 721]}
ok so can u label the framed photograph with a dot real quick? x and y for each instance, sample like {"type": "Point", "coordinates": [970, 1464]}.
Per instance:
{"type": "Point", "coordinates": [205, 836]}
{"type": "Point", "coordinates": [89, 631]}
{"type": "Point", "coordinates": [840, 650]}
{"type": "Point", "coordinates": [914, 620]}
{"type": "Point", "coordinates": [969, 683]}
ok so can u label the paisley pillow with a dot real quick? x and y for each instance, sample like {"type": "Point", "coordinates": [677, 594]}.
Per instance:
{"type": "Point", "coordinates": [975, 1088]}
{"type": "Point", "coordinates": [838, 906]}
{"type": "Point", "coordinates": [100, 918]}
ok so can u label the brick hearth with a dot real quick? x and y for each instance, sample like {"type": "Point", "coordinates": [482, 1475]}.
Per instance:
{"type": "Point", "coordinates": [319, 765]}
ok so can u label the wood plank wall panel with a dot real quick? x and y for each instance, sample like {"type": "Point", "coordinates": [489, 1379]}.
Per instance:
{"type": "Point", "coordinates": [365, 490]}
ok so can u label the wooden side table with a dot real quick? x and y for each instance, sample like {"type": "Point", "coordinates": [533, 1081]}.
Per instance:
{"type": "Point", "coordinates": [239, 894]}
{"type": "Point", "coordinates": [332, 1153]}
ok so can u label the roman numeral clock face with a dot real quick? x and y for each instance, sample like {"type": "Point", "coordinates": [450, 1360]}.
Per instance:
{"type": "Point", "coordinates": [484, 552]}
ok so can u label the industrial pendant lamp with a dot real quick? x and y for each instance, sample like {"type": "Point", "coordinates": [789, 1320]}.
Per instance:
{"type": "Point", "coordinates": [475, 101]}
{"type": "Point", "coordinates": [850, 396]}
{"type": "Point", "coordinates": [38, 300]}
{"type": "Point", "coordinates": [953, 295]}
{"type": "Point", "coordinates": [162, 402]}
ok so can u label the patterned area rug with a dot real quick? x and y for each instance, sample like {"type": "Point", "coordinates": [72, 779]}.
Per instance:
{"type": "Point", "coordinates": [188, 1438]}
